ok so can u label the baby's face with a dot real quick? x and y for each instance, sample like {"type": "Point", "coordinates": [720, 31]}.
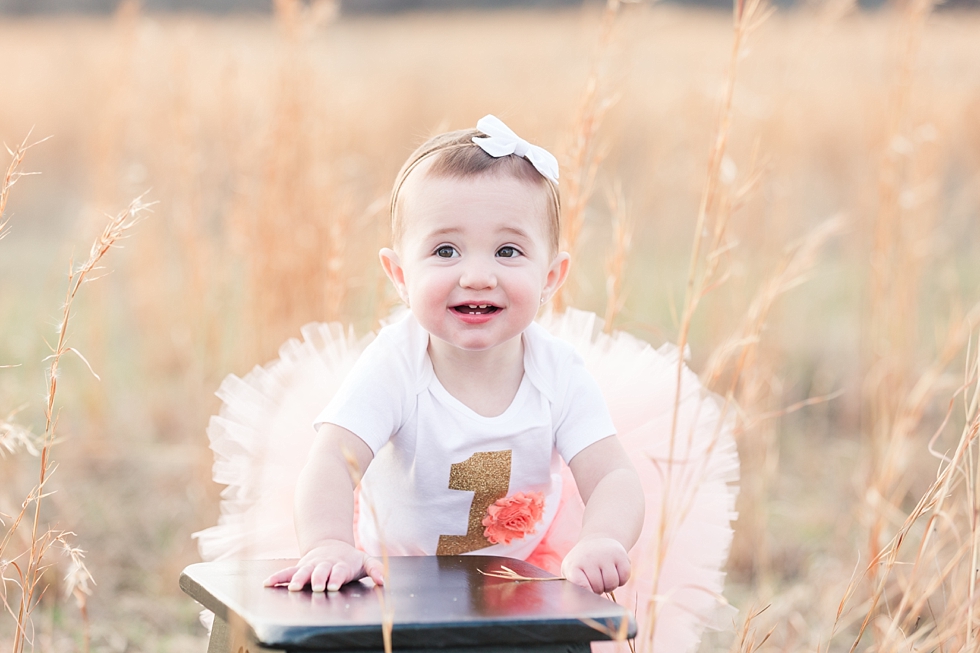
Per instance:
{"type": "Point", "coordinates": [474, 260]}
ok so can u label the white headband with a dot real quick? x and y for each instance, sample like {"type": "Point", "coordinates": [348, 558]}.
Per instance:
{"type": "Point", "coordinates": [501, 141]}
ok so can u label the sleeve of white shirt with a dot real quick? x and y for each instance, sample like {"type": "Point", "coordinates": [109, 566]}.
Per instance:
{"type": "Point", "coordinates": [584, 418]}
{"type": "Point", "coordinates": [371, 402]}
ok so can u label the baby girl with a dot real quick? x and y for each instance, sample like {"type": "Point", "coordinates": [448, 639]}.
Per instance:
{"type": "Point", "coordinates": [460, 412]}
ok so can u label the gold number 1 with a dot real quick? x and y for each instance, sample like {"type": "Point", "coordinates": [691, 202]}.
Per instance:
{"type": "Point", "coordinates": [487, 475]}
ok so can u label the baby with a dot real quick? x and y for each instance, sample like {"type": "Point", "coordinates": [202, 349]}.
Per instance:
{"type": "Point", "coordinates": [459, 411]}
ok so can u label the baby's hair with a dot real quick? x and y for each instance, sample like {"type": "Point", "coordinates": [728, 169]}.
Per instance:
{"type": "Point", "coordinates": [455, 155]}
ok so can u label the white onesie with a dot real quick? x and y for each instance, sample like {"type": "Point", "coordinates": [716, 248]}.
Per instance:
{"type": "Point", "coordinates": [438, 465]}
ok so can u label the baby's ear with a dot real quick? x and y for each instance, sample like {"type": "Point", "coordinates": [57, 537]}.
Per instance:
{"type": "Point", "coordinates": [394, 271]}
{"type": "Point", "coordinates": [557, 273]}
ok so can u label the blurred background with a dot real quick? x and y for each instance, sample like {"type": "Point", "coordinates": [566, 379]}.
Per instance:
{"type": "Point", "coordinates": [269, 136]}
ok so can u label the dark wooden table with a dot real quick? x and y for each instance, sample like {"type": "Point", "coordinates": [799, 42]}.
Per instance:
{"type": "Point", "coordinates": [439, 604]}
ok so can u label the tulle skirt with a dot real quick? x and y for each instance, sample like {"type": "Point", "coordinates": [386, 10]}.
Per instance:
{"type": "Point", "coordinates": [679, 440]}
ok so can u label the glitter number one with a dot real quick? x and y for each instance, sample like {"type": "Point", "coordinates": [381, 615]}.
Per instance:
{"type": "Point", "coordinates": [487, 475]}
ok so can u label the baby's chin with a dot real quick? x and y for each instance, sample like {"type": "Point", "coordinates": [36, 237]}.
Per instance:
{"type": "Point", "coordinates": [474, 343]}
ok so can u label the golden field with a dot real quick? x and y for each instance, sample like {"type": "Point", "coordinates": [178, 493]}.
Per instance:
{"type": "Point", "coordinates": [269, 145]}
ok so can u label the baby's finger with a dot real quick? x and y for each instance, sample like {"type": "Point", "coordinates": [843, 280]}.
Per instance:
{"type": "Point", "coordinates": [281, 577]}
{"type": "Point", "coordinates": [596, 583]}
{"type": "Point", "coordinates": [339, 575]}
{"type": "Point", "coordinates": [375, 569]}
{"type": "Point", "coordinates": [610, 578]}
{"type": "Point", "coordinates": [625, 570]}
{"type": "Point", "coordinates": [300, 578]}
{"type": "Point", "coordinates": [318, 581]}
{"type": "Point", "coordinates": [577, 576]}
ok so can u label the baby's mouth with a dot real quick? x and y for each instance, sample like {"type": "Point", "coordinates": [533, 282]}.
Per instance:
{"type": "Point", "coordinates": [476, 309]}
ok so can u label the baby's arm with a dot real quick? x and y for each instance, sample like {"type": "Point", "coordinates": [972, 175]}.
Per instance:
{"type": "Point", "coordinates": [614, 509]}
{"type": "Point", "coordinates": [325, 515]}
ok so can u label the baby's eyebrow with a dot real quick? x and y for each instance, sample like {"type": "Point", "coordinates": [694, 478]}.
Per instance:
{"type": "Point", "coordinates": [517, 231]}
{"type": "Point", "coordinates": [444, 231]}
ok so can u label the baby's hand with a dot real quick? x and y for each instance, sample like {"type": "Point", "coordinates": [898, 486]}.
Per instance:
{"type": "Point", "coordinates": [600, 564]}
{"type": "Point", "coordinates": [328, 567]}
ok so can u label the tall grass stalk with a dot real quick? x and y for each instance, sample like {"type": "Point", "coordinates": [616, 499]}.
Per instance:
{"type": "Point", "coordinates": [29, 565]}
{"type": "Point", "coordinates": [703, 274]}
{"type": "Point", "coordinates": [13, 437]}
{"type": "Point", "coordinates": [12, 176]}
{"type": "Point", "coordinates": [900, 245]}
{"type": "Point", "coordinates": [623, 227]}
{"type": "Point", "coordinates": [923, 581]}
{"type": "Point", "coordinates": [739, 370]}
{"type": "Point", "coordinates": [387, 610]}
{"type": "Point", "coordinates": [584, 153]}
{"type": "Point", "coordinates": [295, 227]}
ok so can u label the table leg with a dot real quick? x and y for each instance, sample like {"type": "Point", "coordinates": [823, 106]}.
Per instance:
{"type": "Point", "coordinates": [226, 639]}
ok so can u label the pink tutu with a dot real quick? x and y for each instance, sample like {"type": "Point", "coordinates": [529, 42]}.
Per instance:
{"type": "Point", "coordinates": [262, 436]}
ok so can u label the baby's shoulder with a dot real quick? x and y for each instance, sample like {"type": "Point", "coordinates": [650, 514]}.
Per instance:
{"type": "Point", "coordinates": [549, 361]}
{"type": "Point", "coordinates": [547, 347]}
{"type": "Point", "coordinates": [398, 351]}
{"type": "Point", "coordinates": [402, 332]}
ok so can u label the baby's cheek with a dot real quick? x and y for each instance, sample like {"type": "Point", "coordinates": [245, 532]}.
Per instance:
{"type": "Point", "coordinates": [531, 303]}
{"type": "Point", "coordinates": [525, 290]}
{"type": "Point", "coordinates": [429, 291]}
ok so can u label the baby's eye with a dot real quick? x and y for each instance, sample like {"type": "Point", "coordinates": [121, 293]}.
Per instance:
{"type": "Point", "coordinates": [508, 252]}
{"type": "Point", "coordinates": [446, 251]}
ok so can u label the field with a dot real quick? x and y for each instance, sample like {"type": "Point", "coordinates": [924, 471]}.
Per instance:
{"type": "Point", "coordinates": [835, 279]}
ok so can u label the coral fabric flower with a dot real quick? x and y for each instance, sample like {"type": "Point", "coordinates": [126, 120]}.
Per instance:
{"type": "Point", "coordinates": [513, 517]}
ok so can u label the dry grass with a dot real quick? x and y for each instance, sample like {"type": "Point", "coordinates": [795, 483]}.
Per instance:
{"type": "Point", "coordinates": [584, 153]}
{"type": "Point", "coordinates": [849, 346]}
{"type": "Point", "coordinates": [24, 557]}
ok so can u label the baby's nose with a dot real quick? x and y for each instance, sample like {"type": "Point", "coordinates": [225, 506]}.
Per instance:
{"type": "Point", "coordinates": [478, 276]}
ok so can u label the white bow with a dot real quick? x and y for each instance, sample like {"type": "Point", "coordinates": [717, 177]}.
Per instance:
{"type": "Point", "coordinates": [501, 141]}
